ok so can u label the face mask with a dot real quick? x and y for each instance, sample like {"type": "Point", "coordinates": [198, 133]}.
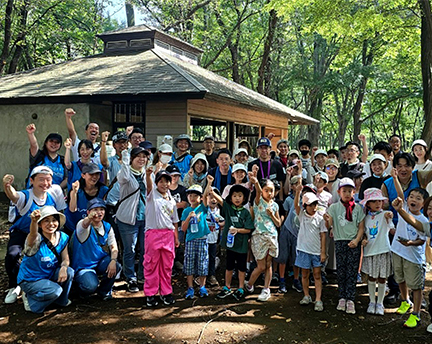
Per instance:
{"type": "Point", "coordinates": [165, 159]}
{"type": "Point", "coordinates": [304, 152]}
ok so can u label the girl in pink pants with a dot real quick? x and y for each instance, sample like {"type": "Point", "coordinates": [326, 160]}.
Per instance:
{"type": "Point", "coordinates": [161, 238]}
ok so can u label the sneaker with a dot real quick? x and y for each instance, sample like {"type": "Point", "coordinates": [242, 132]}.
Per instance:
{"type": "Point", "coordinates": [152, 301]}
{"type": "Point", "coordinates": [203, 292]}
{"type": "Point", "coordinates": [379, 309]}
{"type": "Point", "coordinates": [350, 307]}
{"type": "Point", "coordinates": [371, 308]}
{"type": "Point", "coordinates": [319, 306]}
{"type": "Point", "coordinates": [239, 294]}
{"type": "Point", "coordinates": [141, 281]}
{"type": "Point", "coordinates": [26, 303]}
{"type": "Point", "coordinates": [132, 287]}
{"type": "Point", "coordinates": [429, 328]}
{"type": "Point", "coordinates": [213, 281]}
{"type": "Point", "coordinates": [106, 297]}
{"type": "Point", "coordinates": [264, 295]}
{"type": "Point", "coordinates": [282, 288]}
{"type": "Point", "coordinates": [404, 307]}
{"type": "Point", "coordinates": [249, 288]}
{"type": "Point", "coordinates": [167, 299]}
{"type": "Point", "coordinates": [341, 305]}
{"type": "Point", "coordinates": [70, 302]}
{"type": "Point", "coordinates": [412, 321]}
{"type": "Point", "coordinates": [190, 294]}
{"type": "Point", "coordinates": [12, 295]}
{"type": "Point", "coordinates": [297, 286]}
{"type": "Point", "coordinates": [306, 300]}
{"type": "Point", "coordinates": [224, 293]}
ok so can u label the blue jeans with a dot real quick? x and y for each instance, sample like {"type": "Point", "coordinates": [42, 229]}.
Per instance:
{"type": "Point", "coordinates": [42, 293]}
{"type": "Point", "coordinates": [88, 280]}
{"type": "Point", "coordinates": [129, 236]}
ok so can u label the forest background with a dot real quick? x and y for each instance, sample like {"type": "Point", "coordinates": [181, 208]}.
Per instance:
{"type": "Point", "coordinates": [358, 66]}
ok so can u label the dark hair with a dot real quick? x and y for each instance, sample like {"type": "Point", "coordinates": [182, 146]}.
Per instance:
{"type": "Point", "coordinates": [426, 205]}
{"type": "Point", "coordinates": [352, 143]}
{"type": "Point", "coordinates": [342, 148]}
{"type": "Point", "coordinates": [382, 145]}
{"type": "Point", "coordinates": [421, 191]}
{"type": "Point", "coordinates": [136, 131]}
{"type": "Point", "coordinates": [427, 152]}
{"type": "Point", "coordinates": [305, 205]}
{"type": "Point", "coordinates": [86, 143]}
{"type": "Point", "coordinates": [57, 217]}
{"type": "Point", "coordinates": [265, 181]}
{"type": "Point", "coordinates": [395, 135]}
{"type": "Point", "coordinates": [223, 151]}
{"type": "Point", "coordinates": [333, 151]}
{"type": "Point", "coordinates": [304, 142]}
{"type": "Point", "coordinates": [404, 155]}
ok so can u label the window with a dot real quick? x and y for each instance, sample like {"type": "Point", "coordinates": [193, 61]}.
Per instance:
{"type": "Point", "coordinates": [200, 128]}
{"type": "Point", "coordinates": [127, 114]}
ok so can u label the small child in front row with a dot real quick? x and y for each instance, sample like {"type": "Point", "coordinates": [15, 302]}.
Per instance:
{"type": "Point", "coordinates": [408, 248]}
{"type": "Point", "coordinates": [196, 254]}
{"type": "Point", "coordinates": [161, 238]}
{"type": "Point", "coordinates": [376, 247]}
{"type": "Point", "coordinates": [264, 241]}
{"type": "Point", "coordinates": [311, 244]}
{"type": "Point", "coordinates": [238, 222]}
{"type": "Point", "coordinates": [215, 222]}
{"type": "Point", "coordinates": [345, 221]}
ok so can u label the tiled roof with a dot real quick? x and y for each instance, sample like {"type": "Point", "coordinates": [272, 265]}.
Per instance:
{"type": "Point", "coordinates": [144, 73]}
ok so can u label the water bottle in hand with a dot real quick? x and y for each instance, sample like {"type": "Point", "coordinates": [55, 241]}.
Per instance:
{"type": "Point", "coordinates": [193, 224]}
{"type": "Point", "coordinates": [230, 239]}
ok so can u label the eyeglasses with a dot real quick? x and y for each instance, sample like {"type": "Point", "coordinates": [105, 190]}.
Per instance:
{"type": "Point", "coordinates": [328, 168]}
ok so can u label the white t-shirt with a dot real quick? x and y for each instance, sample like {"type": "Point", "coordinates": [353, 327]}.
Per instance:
{"type": "Point", "coordinates": [160, 213]}
{"type": "Point", "coordinates": [414, 254]}
{"type": "Point", "coordinates": [368, 171]}
{"type": "Point", "coordinates": [377, 231]}
{"type": "Point", "coordinates": [75, 155]}
{"type": "Point", "coordinates": [83, 233]}
{"type": "Point", "coordinates": [55, 191]}
{"type": "Point", "coordinates": [309, 239]}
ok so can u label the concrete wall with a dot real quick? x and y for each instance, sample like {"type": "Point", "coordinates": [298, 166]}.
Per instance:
{"type": "Point", "coordinates": [102, 115]}
{"type": "Point", "coordinates": [14, 146]}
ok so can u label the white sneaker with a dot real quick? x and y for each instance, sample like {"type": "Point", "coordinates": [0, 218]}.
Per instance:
{"type": "Point", "coordinates": [379, 309]}
{"type": "Point", "coordinates": [249, 288]}
{"type": "Point", "coordinates": [371, 308]}
{"type": "Point", "coordinates": [12, 295]}
{"type": "Point", "coordinates": [265, 295]}
{"type": "Point", "coordinates": [26, 303]}
{"type": "Point", "coordinates": [429, 328]}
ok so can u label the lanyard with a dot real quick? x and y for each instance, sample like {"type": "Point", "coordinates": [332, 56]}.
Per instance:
{"type": "Point", "coordinates": [268, 169]}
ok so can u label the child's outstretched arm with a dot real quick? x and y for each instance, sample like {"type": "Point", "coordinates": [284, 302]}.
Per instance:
{"type": "Point", "coordinates": [253, 179]}
{"type": "Point", "coordinates": [217, 197]}
{"type": "Point", "coordinates": [398, 205]}
{"type": "Point", "coordinates": [298, 188]}
{"type": "Point", "coordinates": [274, 216]}
{"type": "Point", "coordinates": [149, 181]}
{"type": "Point", "coordinates": [397, 184]}
{"type": "Point", "coordinates": [207, 189]}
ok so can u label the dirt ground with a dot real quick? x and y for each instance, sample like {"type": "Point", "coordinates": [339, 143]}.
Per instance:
{"type": "Point", "coordinates": [125, 319]}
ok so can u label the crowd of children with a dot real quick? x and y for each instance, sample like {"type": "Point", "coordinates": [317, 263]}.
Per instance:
{"type": "Point", "coordinates": [287, 211]}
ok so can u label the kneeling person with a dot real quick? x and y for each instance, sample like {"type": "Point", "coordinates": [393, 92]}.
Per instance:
{"type": "Point", "coordinates": [94, 252]}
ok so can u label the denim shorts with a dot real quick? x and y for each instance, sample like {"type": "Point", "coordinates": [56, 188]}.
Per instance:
{"type": "Point", "coordinates": [307, 261]}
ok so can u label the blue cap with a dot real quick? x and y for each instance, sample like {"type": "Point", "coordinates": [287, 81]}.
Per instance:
{"type": "Point", "coordinates": [146, 145]}
{"type": "Point", "coordinates": [264, 141]}
{"type": "Point", "coordinates": [96, 203]}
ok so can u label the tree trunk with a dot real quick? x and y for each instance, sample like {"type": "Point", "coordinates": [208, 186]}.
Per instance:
{"type": "Point", "coordinates": [426, 65]}
{"type": "Point", "coordinates": [21, 38]}
{"type": "Point", "coordinates": [7, 35]}
{"type": "Point", "coordinates": [130, 14]}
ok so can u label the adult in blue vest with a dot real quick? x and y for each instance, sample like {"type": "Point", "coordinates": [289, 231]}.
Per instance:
{"type": "Point", "coordinates": [47, 156]}
{"type": "Point", "coordinates": [83, 190]}
{"type": "Point", "coordinates": [44, 275]}
{"type": "Point", "coordinates": [182, 158]}
{"type": "Point", "coordinates": [94, 252]}
{"type": "Point", "coordinates": [41, 193]}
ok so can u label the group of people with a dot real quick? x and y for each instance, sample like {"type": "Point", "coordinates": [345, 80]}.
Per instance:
{"type": "Point", "coordinates": [286, 211]}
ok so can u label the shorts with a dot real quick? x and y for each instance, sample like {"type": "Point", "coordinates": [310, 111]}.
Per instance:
{"type": "Point", "coordinates": [263, 244]}
{"type": "Point", "coordinates": [235, 259]}
{"type": "Point", "coordinates": [287, 248]}
{"type": "Point", "coordinates": [196, 258]}
{"type": "Point", "coordinates": [409, 272]}
{"type": "Point", "coordinates": [377, 266]}
{"type": "Point", "coordinates": [307, 260]}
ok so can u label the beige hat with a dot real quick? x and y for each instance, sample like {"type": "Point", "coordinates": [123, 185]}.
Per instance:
{"type": "Point", "coordinates": [49, 210]}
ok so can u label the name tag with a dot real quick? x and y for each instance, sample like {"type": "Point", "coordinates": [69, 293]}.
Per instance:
{"type": "Point", "coordinates": [45, 259]}
{"type": "Point", "coordinates": [272, 176]}
{"type": "Point", "coordinates": [234, 219]}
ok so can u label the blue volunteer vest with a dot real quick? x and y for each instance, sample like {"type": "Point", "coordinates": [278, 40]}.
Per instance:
{"type": "Point", "coordinates": [183, 165]}
{"type": "Point", "coordinates": [56, 166]}
{"type": "Point", "coordinates": [88, 254]}
{"type": "Point", "coordinates": [23, 222]}
{"type": "Point", "coordinates": [74, 174]}
{"type": "Point", "coordinates": [72, 218]}
{"type": "Point", "coordinates": [392, 193]}
{"type": "Point", "coordinates": [43, 263]}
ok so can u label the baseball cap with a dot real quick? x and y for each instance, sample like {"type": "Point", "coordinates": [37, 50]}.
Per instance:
{"type": "Point", "coordinates": [137, 150]}
{"type": "Point", "coordinates": [238, 167]}
{"type": "Point", "coordinates": [96, 203]}
{"type": "Point", "coordinates": [118, 136]}
{"type": "Point", "coordinates": [309, 198]}
{"type": "Point", "coordinates": [346, 182]}
{"type": "Point", "coordinates": [161, 174]}
{"type": "Point", "coordinates": [377, 157]}
{"type": "Point", "coordinates": [173, 170]}
{"type": "Point", "coordinates": [333, 162]}
{"type": "Point", "coordinates": [165, 148]}
{"type": "Point", "coordinates": [320, 151]}
{"type": "Point", "coordinates": [264, 141]}
{"type": "Point", "coordinates": [209, 137]}
{"type": "Point", "coordinates": [282, 141]}
{"type": "Point", "coordinates": [146, 145]}
{"type": "Point", "coordinates": [41, 170]}
{"type": "Point", "coordinates": [323, 175]}
{"type": "Point", "coordinates": [293, 151]}
{"type": "Point", "coordinates": [91, 169]}
{"type": "Point", "coordinates": [54, 136]}
{"type": "Point", "coordinates": [197, 189]}
{"type": "Point", "coordinates": [355, 174]}
{"type": "Point", "coordinates": [241, 150]}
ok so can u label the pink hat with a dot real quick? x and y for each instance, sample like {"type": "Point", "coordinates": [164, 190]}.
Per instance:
{"type": "Point", "coordinates": [309, 198]}
{"type": "Point", "coordinates": [373, 194]}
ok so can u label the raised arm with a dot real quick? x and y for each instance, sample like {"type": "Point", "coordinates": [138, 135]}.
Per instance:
{"type": "Point", "coordinates": [73, 199]}
{"type": "Point", "coordinates": [67, 158]}
{"type": "Point", "coordinates": [207, 189]}
{"type": "Point", "coordinates": [253, 179]}
{"type": "Point", "coordinates": [298, 188]}
{"type": "Point", "coordinates": [149, 181]}
{"type": "Point", "coordinates": [398, 205]}
{"type": "Point", "coordinates": [34, 147]}
{"type": "Point", "coordinates": [397, 184]}
{"type": "Point", "coordinates": [31, 238]}
{"type": "Point", "coordinates": [69, 124]}
{"type": "Point", "coordinates": [9, 190]}
{"type": "Point", "coordinates": [103, 151]}
{"type": "Point", "coordinates": [365, 154]}
{"type": "Point", "coordinates": [216, 196]}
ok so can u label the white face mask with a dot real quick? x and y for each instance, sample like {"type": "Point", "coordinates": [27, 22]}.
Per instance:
{"type": "Point", "coordinates": [165, 159]}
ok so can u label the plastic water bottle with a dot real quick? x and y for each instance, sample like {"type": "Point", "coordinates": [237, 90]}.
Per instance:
{"type": "Point", "coordinates": [193, 224]}
{"type": "Point", "coordinates": [230, 239]}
